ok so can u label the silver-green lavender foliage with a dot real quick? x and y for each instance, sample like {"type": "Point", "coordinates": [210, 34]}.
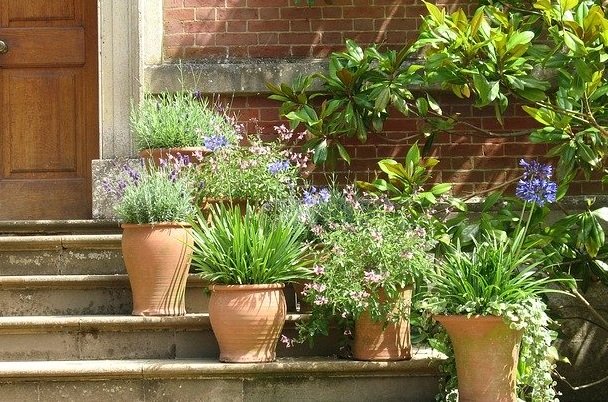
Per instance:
{"type": "Point", "coordinates": [181, 119]}
{"type": "Point", "coordinates": [250, 248]}
{"type": "Point", "coordinates": [156, 196]}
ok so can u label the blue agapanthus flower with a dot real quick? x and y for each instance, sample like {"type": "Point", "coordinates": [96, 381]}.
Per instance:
{"type": "Point", "coordinates": [314, 196]}
{"type": "Point", "coordinates": [278, 167]}
{"type": "Point", "coordinates": [535, 185]}
{"type": "Point", "coordinates": [215, 142]}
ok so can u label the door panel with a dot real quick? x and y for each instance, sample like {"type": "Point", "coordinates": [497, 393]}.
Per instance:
{"type": "Point", "coordinates": [49, 119]}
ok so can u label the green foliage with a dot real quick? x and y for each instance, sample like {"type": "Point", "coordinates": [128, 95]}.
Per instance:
{"type": "Point", "coordinates": [156, 196]}
{"type": "Point", "coordinates": [245, 172]}
{"type": "Point", "coordinates": [180, 119]}
{"type": "Point", "coordinates": [380, 252]}
{"type": "Point", "coordinates": [254, 248]}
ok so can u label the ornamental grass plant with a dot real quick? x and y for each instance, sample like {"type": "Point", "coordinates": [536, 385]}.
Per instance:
{"type": "Point", "coordinates": [252, 248]}
{"type": "Point", "coordinates": [503, 277]}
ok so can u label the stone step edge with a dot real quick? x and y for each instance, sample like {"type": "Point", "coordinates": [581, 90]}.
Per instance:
{"type": "Point", "coordinates": [113, 323]}
{"type": "Point", "coordinates": [66, 226]}
{"type": "Point", "coordinates": [61, 242]}
{"type": "Point", "coordinates": [424, 362]}
{"type": "Point", "coordinates": [28, 282]}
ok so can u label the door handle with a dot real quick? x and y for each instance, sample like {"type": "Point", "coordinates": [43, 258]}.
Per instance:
{"type": "Point", "coordinates": [3, 47]}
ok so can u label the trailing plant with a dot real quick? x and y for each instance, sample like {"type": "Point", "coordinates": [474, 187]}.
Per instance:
{"type": "Point", "coordinates": [260, 172]}
{"type": "Point", "coordinates": [180, 119]}
{"type": "Point", "coordinates": [251, 248]}
{"type": "Point", "coordinates": [380, 251]}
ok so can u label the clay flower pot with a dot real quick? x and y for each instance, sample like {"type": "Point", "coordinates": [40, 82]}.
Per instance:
{"type": "Point", "coordinates": [157, 257]}
{"type": "Point", "coordinates": [486, 352]}
{"type": "Point", "coordinates": [247, 321]}
{"type": "Point", "coordinates": [375, 341]}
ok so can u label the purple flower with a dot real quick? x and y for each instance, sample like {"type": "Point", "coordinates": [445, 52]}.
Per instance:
{"type": "Point", "coordinates": [133, 174]}
{"type": "Point", "coordinates": [371, 276]}
{"type": "Point", "coordinates": [314, 196]}
{"type": "Point", "coordinates": [318, 269]}
{"type": "Point", "coordinates": [215, 142]}
{"type": "Point", "coordinates": [324, 194]}
{"type": "Point", "coordinates": [535, 186]}
{"type": "Point", "coordinates": [278, 167]}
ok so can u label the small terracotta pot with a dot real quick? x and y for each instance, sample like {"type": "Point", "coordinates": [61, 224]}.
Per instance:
{"type": "Point", "coordinates": [247, 321]}
{"type": "Point", "coordinates": [486, 352]}
{"type": "Point", "coordinates": [156, 154]}
{"type": "Point", "coordinates": [157, 258]}
{"type": "Point", "coordinates": [374, 341]}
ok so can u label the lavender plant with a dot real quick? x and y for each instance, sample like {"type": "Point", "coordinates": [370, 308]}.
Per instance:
{"type": "Point", "coordinates": [145, 194]}
{"type": "Point", "coordinates": [181, 119]}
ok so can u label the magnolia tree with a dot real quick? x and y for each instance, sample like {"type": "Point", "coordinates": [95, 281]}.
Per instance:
{"type": "Point", "coordinates": [548, 56]}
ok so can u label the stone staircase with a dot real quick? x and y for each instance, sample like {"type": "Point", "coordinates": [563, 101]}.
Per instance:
{"type": "Point", "coordinates": [66, 333]}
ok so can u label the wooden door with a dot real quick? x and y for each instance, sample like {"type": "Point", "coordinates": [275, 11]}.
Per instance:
{"type": "Point", "coordinates": [48, 108]}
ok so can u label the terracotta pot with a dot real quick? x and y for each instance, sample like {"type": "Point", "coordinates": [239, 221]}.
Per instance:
{"type": "Point", "coordinates": [247, 321]}
{"type": "Point", "coordinates": [375, 341]}
{"type": "Point", "coordinates": [486, 352]}
{"type": "Point", "coordinates": [156, 154]}
{"type": "Point", "coordinates": [208, 205]}
{"type": "Point", "coordinates": [157, 258]}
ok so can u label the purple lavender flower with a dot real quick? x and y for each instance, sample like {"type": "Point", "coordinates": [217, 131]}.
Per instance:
{"type": "Point", "coordinates": [535, 186]}
{"type": "Point", "coordinates": [215, 142]}
{"type": "Point", "coordinates": [278, 167]}
{"type": "Point", "coordinates": [133, 174]}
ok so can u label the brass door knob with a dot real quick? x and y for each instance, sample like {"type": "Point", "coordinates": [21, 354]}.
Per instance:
{"type": "Point", "coordinates": [3, 47]}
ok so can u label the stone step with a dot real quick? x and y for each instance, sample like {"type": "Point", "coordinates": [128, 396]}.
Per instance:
{"type": "Point", "coordinates": [287, 379]}
{"type": "Point", "coordinates": [49, 227]}
{"type": "Point", "coordinates": [80, 295]}
{"type": "Point", "coordinates": [63, 254]}
{"type": "Point", "coordinates": [126, 337]}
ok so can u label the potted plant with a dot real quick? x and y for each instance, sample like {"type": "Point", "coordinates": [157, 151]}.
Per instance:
{"type": "Point", "coordinates": [258, 172]}
{"type": "Point", "coordinates": [155, 205]}
{"type": "Point", "coordinates": [364, 275]}
{"type": "Point", "coordinates": [248, 257]}
{"type": "Point", "coordinates": [185, 122]}
{"type": "Point", "coordinates": [488, 301]}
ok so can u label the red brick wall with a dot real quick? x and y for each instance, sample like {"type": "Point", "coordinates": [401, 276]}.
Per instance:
{"type": "Point", "coordinates": [238, 29]}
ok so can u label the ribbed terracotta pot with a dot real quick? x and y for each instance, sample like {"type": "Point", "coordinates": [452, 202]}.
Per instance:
{"type": "Point", "coordinates": [247, 321]}
{"type": "Point", "coordinates": [486, 352]}
{"type": "Point", "coordinates": [156, 154]}
{"type": "Point", "coordinates": [157, 257]}
{"type": "Point", "coordinates": [374, 341]}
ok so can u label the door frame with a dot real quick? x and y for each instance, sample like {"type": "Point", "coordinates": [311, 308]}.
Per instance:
{"type": "Point", "coordinates": [130, 38]}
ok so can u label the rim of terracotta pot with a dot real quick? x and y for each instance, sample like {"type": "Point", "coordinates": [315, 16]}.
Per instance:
{"type": "Point", "coordinates": [454, 317]}
{"type": "Point", "coordinates": [160, 224]}
{"type": "Point", "coordinates": [247, 287]}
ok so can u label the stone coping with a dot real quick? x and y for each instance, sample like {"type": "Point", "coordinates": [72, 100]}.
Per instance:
{"type": "Point", "coordinates": [61, 242]}
{"type": "Point", "coordinates": [231, 77]}
{"type": "Point", "coordinates": [68, 226]}
{"type": "Point", "coordinates": [424, 362]}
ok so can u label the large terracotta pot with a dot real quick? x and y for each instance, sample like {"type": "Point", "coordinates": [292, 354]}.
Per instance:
{"type": "Point", "coordinates": [157, 258]}
{"type": "Point", "coordinates": [247, 321]}
{"type": "Point", "coordinates": [486, 352]}
{"type": "Point", "coordinates": [375, 341]}
{"type": "Point", "coordinates": [156, 154]}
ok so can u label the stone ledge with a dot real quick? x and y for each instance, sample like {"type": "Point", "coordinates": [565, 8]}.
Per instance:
{"type": "Point", "coordinates": [78, 281]}
{"type": "Point", "coordinates": [424, 362]}
{"type": "Point", "coordinates": [61, 242]}
{"type": "Point", "coordinates": [235, 77]}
